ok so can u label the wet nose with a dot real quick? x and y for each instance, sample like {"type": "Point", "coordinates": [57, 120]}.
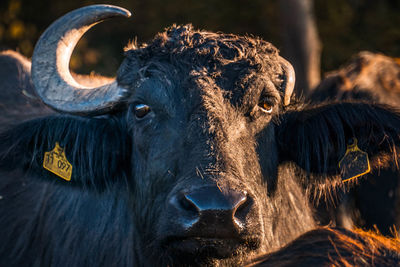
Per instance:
{"type": "Point", "coordinates": [212, 211]}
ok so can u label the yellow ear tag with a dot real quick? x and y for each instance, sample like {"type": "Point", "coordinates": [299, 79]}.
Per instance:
{"type": "Point", "coordinates": [354, 163]}
{"type": "Point", "coordinates": [56, 162]}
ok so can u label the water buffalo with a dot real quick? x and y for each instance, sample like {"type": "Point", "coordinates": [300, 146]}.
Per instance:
{"type": "Point", "coordinates": [195, 155]}
{"type": "Point", "coordinates": [18, 100]}
{"type": "Point", "coordinates": [367, 76]}
{"type": "Point", "coordinates": [375, 202]}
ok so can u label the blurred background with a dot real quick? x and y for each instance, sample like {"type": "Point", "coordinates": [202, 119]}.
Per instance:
{"type": "Point", "coordinates": [333, 30]}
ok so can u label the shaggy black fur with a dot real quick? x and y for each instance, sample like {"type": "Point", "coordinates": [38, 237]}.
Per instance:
{"type": "Point", "coordinates": [316, 136]}
{"type": "Point", "coordinates": [374, 203]}
{"type": "Point", "coordinates": [90, 144]}
{"type": "Point", "coordinates": [206, 128]}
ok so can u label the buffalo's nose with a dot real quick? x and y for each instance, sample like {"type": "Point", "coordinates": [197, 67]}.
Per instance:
{"type": "Point", "coordinates": [212, 212]}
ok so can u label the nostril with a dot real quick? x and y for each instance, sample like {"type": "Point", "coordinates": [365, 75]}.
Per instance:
{"type": "Point", "coordinates": [241, 198]}
{"type": "Point", "coordinates": [187, 204]}
{"type": "Point", "coordinates": [243, 208]}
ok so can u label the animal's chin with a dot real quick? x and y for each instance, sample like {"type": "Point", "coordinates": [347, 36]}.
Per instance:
{"type": "Point", "coordinates": [193, 248]}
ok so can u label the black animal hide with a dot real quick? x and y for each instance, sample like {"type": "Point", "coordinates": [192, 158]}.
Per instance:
{"type": "Point", "coordinates": [315, 137]}
{"type": "Point", "coordinates": [96, 148]}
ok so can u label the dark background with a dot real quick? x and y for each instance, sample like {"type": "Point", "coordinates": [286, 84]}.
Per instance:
{"type": "Point", "coordinates": [345, 26]}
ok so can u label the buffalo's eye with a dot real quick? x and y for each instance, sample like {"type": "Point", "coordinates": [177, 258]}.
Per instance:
{"type": "Point", "coordinates": [266, 107]}
{"type": "Point", "coordinates": [141, 110]}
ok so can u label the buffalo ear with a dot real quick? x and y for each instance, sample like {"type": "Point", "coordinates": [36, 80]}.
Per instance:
{"type": "Point", "coordinates": [74, 151]}
{"type": "Point", "coordinates": [289, 79]}
{"type": "Point", "coordinates": [316, 137]}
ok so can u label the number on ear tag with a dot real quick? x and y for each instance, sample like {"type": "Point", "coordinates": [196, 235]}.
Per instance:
{"type": "Point", "coordinates": [56, 162]}
{"type": "Point", "coordinates": [354, 163]}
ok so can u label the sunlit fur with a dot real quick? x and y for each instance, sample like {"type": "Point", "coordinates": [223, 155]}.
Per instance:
{"type": "Point", "coordinates": [374, 202]}
{"type": "Point", "coordinates": [205, 128]}
{"type": "Point", "coordinates": [336, 247]}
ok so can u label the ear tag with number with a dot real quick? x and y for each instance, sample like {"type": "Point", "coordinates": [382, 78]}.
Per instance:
{"type": "Point", "coordinates": [354, 163]}
{"type": "Point", "coordinates": [56, 162]}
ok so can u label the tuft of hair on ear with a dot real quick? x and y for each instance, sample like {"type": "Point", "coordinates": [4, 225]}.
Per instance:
{"type": "Point", "coordinates": [315, 137]}
{"type": "Point", "coordinates": [97, 148]}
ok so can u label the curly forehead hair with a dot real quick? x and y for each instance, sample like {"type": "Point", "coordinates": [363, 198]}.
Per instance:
{"type": "Point", "coordinates": [188, 49]}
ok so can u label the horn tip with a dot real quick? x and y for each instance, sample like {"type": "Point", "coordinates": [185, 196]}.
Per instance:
{"type": "Point", "coordinates": [120, 10]}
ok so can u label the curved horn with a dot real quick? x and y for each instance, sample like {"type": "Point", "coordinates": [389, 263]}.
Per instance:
{"type": "Point", "coordinates": [289, 80]}
{"type": "Point", "coordinates": [50, 65]}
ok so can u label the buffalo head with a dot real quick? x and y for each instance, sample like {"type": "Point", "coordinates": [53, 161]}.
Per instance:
{"type": "Point", "coordinates": [195, 101]}
{"type": "Point", "coordinates": [194, 142]}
